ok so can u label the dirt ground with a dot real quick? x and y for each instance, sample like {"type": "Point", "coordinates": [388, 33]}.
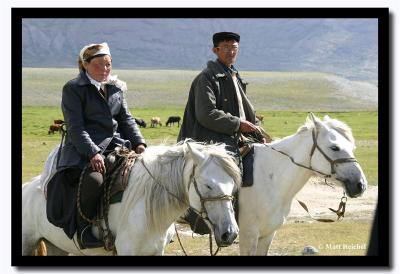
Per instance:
{"type": "Point", "coordinates": [319, 197]}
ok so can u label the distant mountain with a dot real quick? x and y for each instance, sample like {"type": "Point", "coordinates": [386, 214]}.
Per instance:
{"type": "Point", "coordinates": [346, 47]}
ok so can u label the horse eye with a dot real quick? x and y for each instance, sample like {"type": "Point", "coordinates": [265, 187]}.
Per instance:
{"type": "Point", "coordinates": [335, 148]}
{"type": "Point", "coordinates": [210, 188]}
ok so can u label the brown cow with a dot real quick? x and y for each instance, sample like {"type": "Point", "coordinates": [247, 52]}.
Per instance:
{"type": "Point", "coordinates": [155, 121]}
{"type": "Point", "coordinates": [57, 122]}
{"type": "Point", "coordinates": [55, 127]}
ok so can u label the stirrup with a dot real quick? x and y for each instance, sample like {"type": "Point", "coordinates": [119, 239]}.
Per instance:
{"type": "Point", "coordinates": [90, 242]}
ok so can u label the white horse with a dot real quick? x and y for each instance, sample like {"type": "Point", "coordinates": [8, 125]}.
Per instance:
{"type": "Point", "coordinates": [163, 184]}
{"type": "Point", "coordinates": [281, 169]}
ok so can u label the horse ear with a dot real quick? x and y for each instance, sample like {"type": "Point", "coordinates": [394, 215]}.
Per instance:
{"type": "Point", "coordinates": [317, 122]}
{"type": "Point", "coordinates": [312, 117]}
{"type": "Point", "coordinates": [197, 155]}
{"type": "Point", "coordinates": [326, 118]}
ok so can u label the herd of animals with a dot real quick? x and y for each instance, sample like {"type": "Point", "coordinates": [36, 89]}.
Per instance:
{"type": "Point", "coordinates": [154, 122]}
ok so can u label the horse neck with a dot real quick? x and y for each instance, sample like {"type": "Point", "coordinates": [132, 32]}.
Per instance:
{"type": "Point", "coordinates": [167, 203]}
{"type": "Point", "coordinates": [293, 177]}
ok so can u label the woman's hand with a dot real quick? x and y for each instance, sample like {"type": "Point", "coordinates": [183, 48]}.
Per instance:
{"type": "Point", "coordinates": [140, 149]}
{"type": "Point", "coordinates": [97, 163]}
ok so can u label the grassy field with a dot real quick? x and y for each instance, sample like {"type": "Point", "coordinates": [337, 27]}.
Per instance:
{"type": "Point", "coordinates": [302, 91]}
{"type": "Point", "coordinates": [36, 143]}
{"type": "Point", "coordinates": [283, 98]}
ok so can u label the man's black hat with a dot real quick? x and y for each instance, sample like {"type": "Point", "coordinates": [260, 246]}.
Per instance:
{"type": "Point", "coordinates": [225, 36]}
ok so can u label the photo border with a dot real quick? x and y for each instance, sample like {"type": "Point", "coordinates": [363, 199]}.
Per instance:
{"type": "Point", "coordinates": [383, 209]}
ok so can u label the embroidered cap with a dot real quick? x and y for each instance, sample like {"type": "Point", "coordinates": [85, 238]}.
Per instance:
{"type": "Point", "coordinates": [90, 51]}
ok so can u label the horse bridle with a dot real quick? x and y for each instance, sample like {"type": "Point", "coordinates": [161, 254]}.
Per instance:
{"type": "Point", "coordinates": [203, 211]}
{"type": "Point", "coordinates": [332, 162]}
{"type": "Point", "coordinates": [316, 146]}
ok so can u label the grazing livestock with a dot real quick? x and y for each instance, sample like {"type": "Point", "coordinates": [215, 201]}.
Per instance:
{"type": "Point", "coordinates": [55, 127]}
{"type": "Point", "coordinates": [155, 121]}
{"type": "Point", "coordinates": [140, 122]}
{"type": "Point", "coordinates": [173, 120]}
{"type": "Point", "coordinates": [58, 122]}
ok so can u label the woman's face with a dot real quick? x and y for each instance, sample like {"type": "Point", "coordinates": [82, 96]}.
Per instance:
{"type": "Point", "coordinates": [99, 68]}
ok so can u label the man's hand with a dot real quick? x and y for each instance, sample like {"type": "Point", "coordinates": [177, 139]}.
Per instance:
{"type": "Point", "coordinates": [140, 149]}
{"type": "Point", "coordinates": [97, 163]}
{"type": "Point", "coordinates": [246, 126]}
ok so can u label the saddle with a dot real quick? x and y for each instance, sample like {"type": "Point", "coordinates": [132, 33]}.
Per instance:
{"type": "Point", "coordinates": [118, 164]}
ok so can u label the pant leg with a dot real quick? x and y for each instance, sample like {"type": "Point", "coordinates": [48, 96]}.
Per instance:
{"type": "Point", "coordinates": [90, 192]}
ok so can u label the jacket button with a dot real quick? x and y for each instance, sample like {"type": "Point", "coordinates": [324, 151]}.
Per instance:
{"type": "Point", "coordinates": [226, 100]}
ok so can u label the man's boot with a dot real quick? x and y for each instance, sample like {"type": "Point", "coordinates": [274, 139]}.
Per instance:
{"type": "Point", "coordinates": [90, 193]}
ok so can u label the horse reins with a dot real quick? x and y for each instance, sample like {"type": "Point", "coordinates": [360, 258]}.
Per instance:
{"type": "Point", "coordinates": [342, 206]}
{"type": "Point", "coordinates": [316, 146]}
{"type": "Point", "coordinates": [204, 210]}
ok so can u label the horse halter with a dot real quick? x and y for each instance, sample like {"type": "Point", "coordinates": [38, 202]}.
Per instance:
{"type": "Point", "coordinates": [332, 162]}
{"type": "Point", "coordinates": [203, 211]}
{"type": "Point", "coordinates": [316, 146]}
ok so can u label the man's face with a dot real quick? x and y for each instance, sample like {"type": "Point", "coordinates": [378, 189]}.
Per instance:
{"type": "Point", "coordinates": [227, 51]}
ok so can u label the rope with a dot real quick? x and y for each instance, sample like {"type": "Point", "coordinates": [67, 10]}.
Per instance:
{"type": "Point", "coordinates": [211, 248]}
{"type": "Point", "coordinates": [202, 200]}
{"type": "Point", "coordinates": [179, 240]}
{"type": "Point", "coordinates": [61, 143]}
{"type": "Point", "coordinates": [123, 161]}
{"type": "Point", "coordinates": [109, 177]}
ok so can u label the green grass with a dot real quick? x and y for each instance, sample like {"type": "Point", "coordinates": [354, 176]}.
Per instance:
{"type": "Point", "coordinates": [36, 143]}
{"type": "Point", "coordinates": [284, 98]}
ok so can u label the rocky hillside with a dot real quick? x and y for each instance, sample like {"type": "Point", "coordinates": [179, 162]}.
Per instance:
{"type": "Point", "coordinates": [345, 47]}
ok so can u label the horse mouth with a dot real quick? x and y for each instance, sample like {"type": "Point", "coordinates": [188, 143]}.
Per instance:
{"type": "Point", "coordinates": [226, 239]}
{"type": "Point", "coordinates": [352, 192]}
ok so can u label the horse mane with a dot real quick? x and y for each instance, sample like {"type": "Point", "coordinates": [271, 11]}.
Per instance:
{"type": "Point", "coordinates": [167, 193]}
{"type": "Point", "coordinates": [339, 126]}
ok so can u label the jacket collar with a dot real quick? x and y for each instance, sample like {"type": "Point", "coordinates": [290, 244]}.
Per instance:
{"type": "Point", "coordinates": [231, 69]}
{"type": "Point", "coordinates": [83, 80]}
{"type": "Point", "coordinates": [220, 70]}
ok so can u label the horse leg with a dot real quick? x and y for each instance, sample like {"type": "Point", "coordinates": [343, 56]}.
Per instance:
{"type": "Point", "coordinates": [29, 244]}
{"type": "Point", "coordinates": [248, 242]}
{"type": "Point", "coordinates": [52, 250]}
{"type": "Point", "coordinates": [264, 243]}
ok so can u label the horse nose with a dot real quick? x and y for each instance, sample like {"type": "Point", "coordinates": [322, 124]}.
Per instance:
{"type": "Point", "coordinates": [361, 186]}
{"type": "Point", "coordinates": [228, 237]}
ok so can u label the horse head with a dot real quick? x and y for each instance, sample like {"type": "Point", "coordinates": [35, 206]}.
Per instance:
{"type": "Point", "coordinates": [214, 178]}
{"type": "Point", "coordinates": [332, 154]}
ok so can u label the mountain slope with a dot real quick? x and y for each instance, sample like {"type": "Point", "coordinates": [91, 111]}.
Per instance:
{"type": "Point", "coordinates": [346, 47]}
